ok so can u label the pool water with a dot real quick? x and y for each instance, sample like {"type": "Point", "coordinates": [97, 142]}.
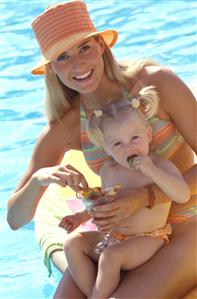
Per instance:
{"type": "Point", "coordinates": [162, 30]}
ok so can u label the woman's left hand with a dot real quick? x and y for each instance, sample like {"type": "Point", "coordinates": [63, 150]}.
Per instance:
{"type": "Point", "coordinates": [126, 203]}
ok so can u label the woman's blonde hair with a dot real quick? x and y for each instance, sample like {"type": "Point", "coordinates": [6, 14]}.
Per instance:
{"type": "Point", "coordinates": [142, 107]}
{"type": "Point", "coordinates": [59, 97]}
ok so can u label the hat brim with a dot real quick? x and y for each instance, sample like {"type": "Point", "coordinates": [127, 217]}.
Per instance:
{"type": "Point", "coordinates": [109, 36]}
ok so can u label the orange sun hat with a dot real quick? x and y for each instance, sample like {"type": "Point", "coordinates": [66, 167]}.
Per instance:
{"type": "Point", "coordinates": [62, 26]}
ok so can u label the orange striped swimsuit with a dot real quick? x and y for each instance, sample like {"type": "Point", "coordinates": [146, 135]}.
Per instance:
{"type": "Point", "coordinates": [165, 142]}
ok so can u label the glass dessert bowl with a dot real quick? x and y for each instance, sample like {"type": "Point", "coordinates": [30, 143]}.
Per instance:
{"type": "Point", "coordinates": [93, 197]}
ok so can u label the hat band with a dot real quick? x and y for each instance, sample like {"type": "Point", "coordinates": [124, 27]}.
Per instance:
{"type": "Point", "coordinates": [60, 45]}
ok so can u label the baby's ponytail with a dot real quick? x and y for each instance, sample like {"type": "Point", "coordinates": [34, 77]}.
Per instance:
{"type": "Point", "coordinates": [149, 101]}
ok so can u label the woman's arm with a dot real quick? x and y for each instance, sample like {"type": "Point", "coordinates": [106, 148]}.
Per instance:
{"type": "Point", "coordinates": [179, 103]}
{"type": "Point", "coordinates": [23, 202]}
{"type": "Point", "coordinates": [41, 172]}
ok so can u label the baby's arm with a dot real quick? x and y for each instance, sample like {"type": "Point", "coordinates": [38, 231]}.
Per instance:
{"type": "Point", "coordinates": [71, 222]}
{"type": "Point", "coordinates": [166, 175]}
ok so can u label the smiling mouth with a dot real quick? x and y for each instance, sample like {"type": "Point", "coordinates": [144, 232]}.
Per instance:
{"type": "Point", "coordinates": [130, 160]}
{"type": "Point", "coordinates": [84, 76]}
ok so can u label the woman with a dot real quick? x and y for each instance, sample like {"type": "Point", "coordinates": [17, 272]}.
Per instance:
{"type": "Point", "coordinates": [81, 74]}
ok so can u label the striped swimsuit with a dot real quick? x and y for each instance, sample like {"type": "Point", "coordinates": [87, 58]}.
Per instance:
{"type": "Point", "coordinates": [165, 142]}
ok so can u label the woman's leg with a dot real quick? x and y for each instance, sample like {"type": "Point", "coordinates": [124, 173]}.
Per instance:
{"type": "Point", "coordinates": [58, 259]}
{"type": "Point", "coordinates": [171, 272]}
{"type": "Point", "coordinates": [67, 288]}
{"type": "Point", "coordinates": [125, 255]}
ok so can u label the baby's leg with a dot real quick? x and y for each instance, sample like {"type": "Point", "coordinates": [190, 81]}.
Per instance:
{"type": "Point", "coordinates": [125, 255]}
{"type": "Point", "coordinates": [79, 251]}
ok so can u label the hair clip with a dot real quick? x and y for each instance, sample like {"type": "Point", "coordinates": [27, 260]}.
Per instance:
{"type": "Point", "coordinates": [98, 113]}
{"type": "Point", "coordinates": [135, 103]}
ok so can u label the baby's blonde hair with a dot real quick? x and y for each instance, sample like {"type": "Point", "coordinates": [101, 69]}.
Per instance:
{"type": "Point", "coordinates": [147, 101]}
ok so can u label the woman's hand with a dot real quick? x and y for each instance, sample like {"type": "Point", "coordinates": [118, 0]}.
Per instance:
{"type": "Point", "coordinates": [125, 204]}
{"type": "Point", "coordinates": [62, 175]}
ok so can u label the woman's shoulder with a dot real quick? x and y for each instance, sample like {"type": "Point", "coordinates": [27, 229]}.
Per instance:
{"type": "Point", "coordinates": [157, 75]}
{"type": "Point", "coordinates": [166, 81]}
{"type": "Point", "coordinates": [147, 72]}
{"type": "Point", "coordinates": [171, 89]}
{"type": "Point", "coordinates": [173, 92]}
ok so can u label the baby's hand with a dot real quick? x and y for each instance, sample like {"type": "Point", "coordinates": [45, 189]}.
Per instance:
{"type": "Point", "coordinates": [70, 222]}
{"type": "Point", "coordinates": [144, 164]}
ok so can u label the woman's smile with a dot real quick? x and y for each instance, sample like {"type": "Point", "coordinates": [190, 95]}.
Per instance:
{"type": "Point", "coordinates": [84, 76]}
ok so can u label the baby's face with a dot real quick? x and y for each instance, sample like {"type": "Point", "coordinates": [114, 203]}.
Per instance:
{"type": "Point", "coordinates": [126, 137]}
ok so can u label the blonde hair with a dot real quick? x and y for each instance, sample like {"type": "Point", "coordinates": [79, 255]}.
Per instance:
{"type": "Point", "coordinates": [148, 105]}
{"type": "Point", "coordinates": [59, 97]}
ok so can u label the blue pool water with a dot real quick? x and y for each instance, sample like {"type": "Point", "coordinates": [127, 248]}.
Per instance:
{"type": "Point", "coordinates": [162, 30]}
